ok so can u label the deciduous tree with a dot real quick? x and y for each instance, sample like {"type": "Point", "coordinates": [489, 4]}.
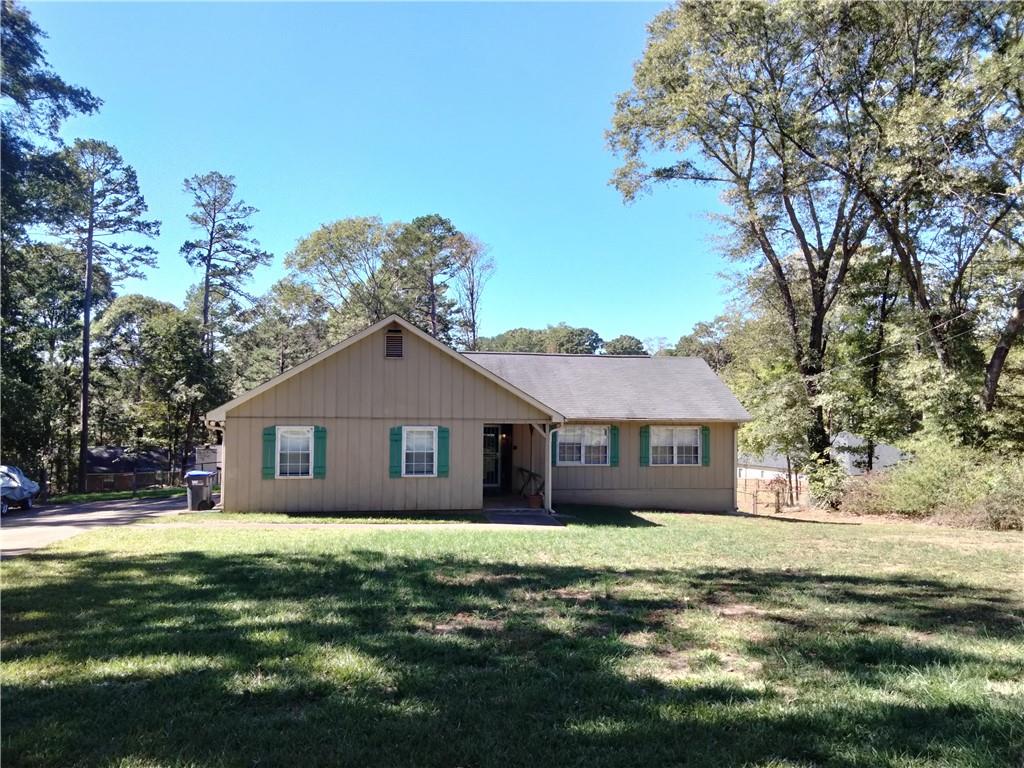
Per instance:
{"type": "Point", "coordinates": [624, 345]}
{"type": "Point", "coordinates": [474, 268]}
{"type": "Point", "coordinates": [351, 264]}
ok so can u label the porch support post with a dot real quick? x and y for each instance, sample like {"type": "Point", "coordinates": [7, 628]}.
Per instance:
{"type": "Point", "coordinates": [549, 430]}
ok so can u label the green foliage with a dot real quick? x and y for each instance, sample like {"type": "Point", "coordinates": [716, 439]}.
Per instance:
{"type": "Point", "coordinates": [561, 338]}
{"type": "Point", "coordinates": [104, 203]}
{"type": "Point", "coordinates": [573, 341]}
{"type": "Point", "coordinates": [708, 342]}
{"type": "Point", "coordinates": [952, 482]}
{"type": "Point", "coordinates": [350, 264]}
{"type": "Point", "coordinates": [283, 328]}
{"type": "Point", "coordinates": [225, 253]}
{"type": "Point", "coordinates": [826, 481]}
{"type": "Point", "coordinates": [35, 103]}
{"type": "Point", "coordinates": [624, 345]}
{"type": "Point", "coordinates": [515, 340]}
{"type": "Point", "coordinates": [870, 146]}
{"type": "Point", "coordinates": [426, 258]}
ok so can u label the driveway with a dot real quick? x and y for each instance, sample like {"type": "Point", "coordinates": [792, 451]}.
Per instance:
{"type": "Point", "coordinates": [25, 531]}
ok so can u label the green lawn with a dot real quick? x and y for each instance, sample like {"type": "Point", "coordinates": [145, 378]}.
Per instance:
{"type": "Point", "coordinates": [152, 493]}
{"type": "Point", "coordinates": [627, 640]}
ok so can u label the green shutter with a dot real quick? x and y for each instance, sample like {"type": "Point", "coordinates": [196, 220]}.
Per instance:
{"type": "Point", "coordinates": [442, 451]}
{"type": "Point", "coordinates": [613, 443]}
{"type": "Point", "coordinates": [554, 447]}
{"type": "Point", "coordinates": [395, 466]}
{"type": "Point", "coordinates": [645, 446]}
{"type": "Point", "coordinates": [269, 447]}
{"type": "Point", "coordinates": [319, 452]}
{"type": "Point", "coordinates": [705, 446]}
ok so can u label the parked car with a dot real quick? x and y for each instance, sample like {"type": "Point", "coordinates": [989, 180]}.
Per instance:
{"type": "Point", "coordinates": [15, 488]}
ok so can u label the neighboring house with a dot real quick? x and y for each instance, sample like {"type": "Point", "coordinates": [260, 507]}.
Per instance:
{"type": "Point", "coordinates": [392, 419]}
{"type": "Point", "coordinates": [766, 467]}
{"type": "Point", "coordinates": [116, 468]}
{"type": "Point", "coordinates": [848, 450]}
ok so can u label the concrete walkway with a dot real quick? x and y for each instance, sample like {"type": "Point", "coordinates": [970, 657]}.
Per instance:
{"type": "Point", "coordinates": [25, 531]}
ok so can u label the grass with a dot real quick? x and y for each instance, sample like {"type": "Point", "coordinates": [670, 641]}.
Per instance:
{"type": "Point", "coordinates": [152, 493]}
{"type": "Point", "coordinates": [624, 639]}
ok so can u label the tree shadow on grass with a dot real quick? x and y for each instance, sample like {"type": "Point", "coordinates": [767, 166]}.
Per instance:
{"type": "Point", "coordinates": [374, 659]}
{"type": "Point", "coordinates": [590, 515]}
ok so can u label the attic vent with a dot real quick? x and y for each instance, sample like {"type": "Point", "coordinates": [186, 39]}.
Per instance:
{"type": "Point", "coordinates": [393, 343]}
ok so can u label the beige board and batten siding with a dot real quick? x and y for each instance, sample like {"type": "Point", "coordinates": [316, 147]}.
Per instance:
{"type": "Point", "coordinates": [689, 488]}
{"type": "Point", "coordinates": [358, 395]}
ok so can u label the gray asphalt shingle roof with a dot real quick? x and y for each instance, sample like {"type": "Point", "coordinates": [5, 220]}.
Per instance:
{"type": "Point", "coordinates": [620, 388]}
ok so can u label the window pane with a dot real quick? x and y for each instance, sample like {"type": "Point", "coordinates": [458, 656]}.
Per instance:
{"type": "Point", "coordinates": [687, 436]}
{"type": "Point", "coordinates": [294, 452]}
{"type": "Point", "coordinates": [661, 436]}
{"type": "Point", "coordinates": [687, 445]}
{"type": "Point", "coordinates": [596, 454]}
{"type": "Point", "coordinates": [570, 445]}
{"type": "Point", "coordinates": [661, 454]}
{"type": "Point", "coordinates": [419, 452]}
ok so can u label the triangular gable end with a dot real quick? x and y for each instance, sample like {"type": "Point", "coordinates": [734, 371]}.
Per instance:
{"type": "Point", "coordinates": [220, 413]}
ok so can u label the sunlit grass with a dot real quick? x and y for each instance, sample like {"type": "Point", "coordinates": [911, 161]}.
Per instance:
{"type": "Point", "coordinates": [622, 639]}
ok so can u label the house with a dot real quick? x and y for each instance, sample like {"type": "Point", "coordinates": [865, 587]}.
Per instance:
{"type": "Point", "coordinates": [767, 467]}
{"type": "Point", "coordinates": [392, 419]}
{"type": "Point", "coordinates": [116, 468]}
{"type": "Point", "coordinates": [850, 452]}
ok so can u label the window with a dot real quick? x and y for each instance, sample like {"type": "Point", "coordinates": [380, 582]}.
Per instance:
{"type": "Point", "coordinates": [583, 445]}
{"type": "Point", "coordinates": [675, 445]}
{"type": "Point", "coordinates": [393, 344]}
{"type": "Point", "coordinates": [419, 451]}
{"type": "Point", "coordinates": [294, 452]}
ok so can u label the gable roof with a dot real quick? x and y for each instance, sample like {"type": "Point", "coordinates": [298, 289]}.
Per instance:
{"type": "Point", "coordinates": [619, 388]}
{"type": "Point", "coordinates": [116, 459]}
{"type": "Point", "coordinates": [220, 412]}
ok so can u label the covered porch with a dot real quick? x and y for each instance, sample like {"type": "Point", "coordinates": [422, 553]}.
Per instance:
{"type": "Point", "coordinates": [517, 465]}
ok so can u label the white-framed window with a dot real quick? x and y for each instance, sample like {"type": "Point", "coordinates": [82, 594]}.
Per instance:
{"type": "Point", "coordinates": [675, 445]}
{"type": "Point", "coordinates": [583, 446]}
{"type": "Point", "coordinates": [419, 451]}
{"type": "Point", "coordinates": [294, 452]}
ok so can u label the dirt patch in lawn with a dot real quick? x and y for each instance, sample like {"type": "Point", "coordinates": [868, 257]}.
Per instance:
{"type": "Point", "coordinates": [468, 623]}
{"type": "Point", "coordinates": [736, 610]}
{"type": "Point", "coordinates": [478, 578]}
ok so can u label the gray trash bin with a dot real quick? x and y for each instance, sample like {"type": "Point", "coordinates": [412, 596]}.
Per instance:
{"type": "Point", "coordinates": [199, 485]}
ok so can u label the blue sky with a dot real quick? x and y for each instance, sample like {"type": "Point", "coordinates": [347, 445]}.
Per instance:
{"type": "Point", "coordinates": [491, 115]}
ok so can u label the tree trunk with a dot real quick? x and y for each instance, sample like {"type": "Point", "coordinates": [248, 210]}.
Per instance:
{"type": "Point", "coordinates": [789, 479]}
{"type": "Point", "coordinates": [910, 267]}
{"type": "Point", "coordinates": [207, 336]}
{"type": "Point", "coordinates": [83, 444]}
{"type": "Point", "coordinates": [433, 306]}
{"type": "Point", "coordinates": [994, 369]}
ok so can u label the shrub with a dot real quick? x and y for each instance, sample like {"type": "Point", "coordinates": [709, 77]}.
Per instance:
{"type": "Point", "coordinates": [826, 482]}
{"type": "Point", "coordinates": [954, 484]}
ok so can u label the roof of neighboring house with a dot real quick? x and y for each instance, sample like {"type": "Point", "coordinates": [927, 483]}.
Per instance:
{"type": "Point", "coordinates": [116, 459]}
{"type": "Point", "coordinates": [769, 460]}
{"type": "Point", "coordinates": [618, 387]}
